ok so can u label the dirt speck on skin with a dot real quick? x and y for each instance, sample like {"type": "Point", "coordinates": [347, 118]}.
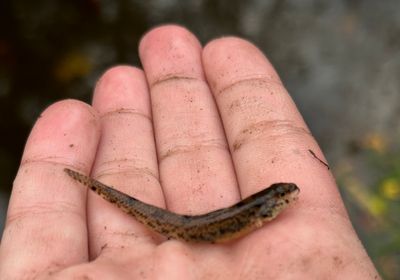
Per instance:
{"type": "Point", "coordinates": [104, 246]}
{"type": "Point", "coordinates": [82, 277]}
{"type": "Point", "coordinates": [53, 269]}
{"type": "Point", "coordinates": [337, 261]}
{"type": "Point", "coordinates": [306, 261]}
{"type": "Point", "coordinates": [236, 145]}
{"type": "Point", "coordinates": [244, 135]}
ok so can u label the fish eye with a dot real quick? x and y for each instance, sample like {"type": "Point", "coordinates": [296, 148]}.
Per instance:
{"type": "Point", "coordinates": [280, 193]}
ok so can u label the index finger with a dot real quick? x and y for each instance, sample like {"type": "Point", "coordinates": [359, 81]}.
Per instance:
{"type": "Point", "coordinates": [268, 138]}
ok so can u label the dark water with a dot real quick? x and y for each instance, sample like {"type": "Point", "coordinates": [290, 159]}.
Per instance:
{"type": "Point", "coordinates": [340, 60]}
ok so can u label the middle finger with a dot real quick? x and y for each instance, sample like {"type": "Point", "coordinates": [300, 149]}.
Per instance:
{"type": "Point", "coordinates": [195, 166]}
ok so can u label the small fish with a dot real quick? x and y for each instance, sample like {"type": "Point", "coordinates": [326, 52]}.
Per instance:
{"type": "Point", "coordinates": [221, 225]}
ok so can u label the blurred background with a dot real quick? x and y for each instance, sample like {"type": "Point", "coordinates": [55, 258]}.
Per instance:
{"type": "Point", "coordinates": [340, 60]}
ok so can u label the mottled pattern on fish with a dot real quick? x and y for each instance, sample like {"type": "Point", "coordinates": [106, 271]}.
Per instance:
{"type": "Point", "coordinates": [217, 226]}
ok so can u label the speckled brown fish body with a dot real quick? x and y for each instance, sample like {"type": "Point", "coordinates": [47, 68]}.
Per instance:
{"type": "Point", "coordinates": [216, 226]}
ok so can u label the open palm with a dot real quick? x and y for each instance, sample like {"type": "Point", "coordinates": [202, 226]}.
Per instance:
{"type": "Point", "coordinates": [197, 130]}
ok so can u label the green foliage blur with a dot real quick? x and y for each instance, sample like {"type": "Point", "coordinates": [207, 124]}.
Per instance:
{"type": "Point", "coordinates": [373, 201]}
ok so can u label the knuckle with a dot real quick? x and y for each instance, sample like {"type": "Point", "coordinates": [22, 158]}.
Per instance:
{"type": "Point", "coordinates": [269, 131]}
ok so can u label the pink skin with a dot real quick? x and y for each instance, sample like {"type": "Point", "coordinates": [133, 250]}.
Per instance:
{"type": "Point", "coordinates": [220, 126]}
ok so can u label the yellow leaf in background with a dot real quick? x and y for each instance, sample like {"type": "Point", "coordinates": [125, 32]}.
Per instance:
{"type": "Point", "coordinates": [376, 205]}
{"type": "Point", "coordinates": [375, 142]}
{"type": "Point", "coordinates": [373, 204]}
{"type": "Point", "coordinates": [391, 188]}
{"type": "Point", "coordinates": [73, 65]}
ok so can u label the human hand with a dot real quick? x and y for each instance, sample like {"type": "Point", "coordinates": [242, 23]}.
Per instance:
{"type": "Point", "coordinates": [197, 130]}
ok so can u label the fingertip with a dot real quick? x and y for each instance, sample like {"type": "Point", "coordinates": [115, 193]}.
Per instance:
{"type": "Point", "coordinates": [225, 41]}
{"type": "Point", "coordinates": [229, 44]}
{"type": "Point", "coordinates": [122, 88]}
{"type": "Point", "coordinates": [230, 59]}
{"type": "Point", "coordinates": [168, 33]}
{"type": "Point", "coordinates": [118, 73]}
{"type": "Point", "coordinates": [66, 132]}
{"type": "Point", "coordinates": [170, 51]}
